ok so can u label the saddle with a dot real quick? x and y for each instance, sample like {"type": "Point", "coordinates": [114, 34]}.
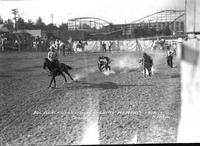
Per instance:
{"type": "Point", "coordinates": [56, 64]}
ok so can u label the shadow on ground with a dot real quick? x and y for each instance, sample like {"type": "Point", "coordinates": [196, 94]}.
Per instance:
{"type": "Point", "coordinates": [28, 69]}
{"type": "Point", "coordinates": [102, 86]}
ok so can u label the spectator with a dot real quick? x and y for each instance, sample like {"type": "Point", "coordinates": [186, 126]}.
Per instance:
{"type": "Point", "coordinates": [104, 46]}
{"type": "Point", "coordinates": [17, 44]}
{"type": "Point", "coordinates": [110, 46]}
{"type": "Point", "coordinates": [169, 57]}
{"type": "Point", "coordinates": [62, 46]}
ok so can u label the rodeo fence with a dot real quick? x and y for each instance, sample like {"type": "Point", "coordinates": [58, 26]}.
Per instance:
{"type": "Point", "coordinates": [125, 45]}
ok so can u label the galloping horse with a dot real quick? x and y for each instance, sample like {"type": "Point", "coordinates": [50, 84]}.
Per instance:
{"type": "Point", "coordinates": [81, 45]}
{"type": "Point", "coordinates": [56, 72]}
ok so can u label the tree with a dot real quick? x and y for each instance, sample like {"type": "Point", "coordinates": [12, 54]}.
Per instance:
{"type": "Point", "coordinates": [1, 20]}
{"type": "Point", "coordinates": [21, 24]}
{"type": "Point", "coordinates": [15, 12]}
{"type": "Point", "coordinates": [9, 24]}
{"type": "Point", "coordinates": [30, 24]}
{"type": "Point", "coordinates": [51, 27]}
{"type": "Point", "coordinates": [63, 26]}
{"type": "Point", "coordinates": [39, 23]}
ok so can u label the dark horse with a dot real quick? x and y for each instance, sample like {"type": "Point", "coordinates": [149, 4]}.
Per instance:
{"type": "Point", "coordinates": [56, 72]}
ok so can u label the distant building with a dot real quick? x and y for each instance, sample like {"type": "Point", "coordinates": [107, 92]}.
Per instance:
{"type": "Point", "coordinates": [35, 33]}
{"type": "Point", "coordinates": [3, 29]}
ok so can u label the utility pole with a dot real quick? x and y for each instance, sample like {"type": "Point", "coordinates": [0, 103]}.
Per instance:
{"type": "Point", "coordinates": [52, 18]}
{"type": "Point", "coordinates": [15, 13]}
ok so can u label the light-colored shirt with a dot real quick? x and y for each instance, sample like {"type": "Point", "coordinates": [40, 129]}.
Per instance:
{"type": "Point", "coordinates": [52, 55]}
{"type": "Point", "coordinates": [62, 44]}
{"type": "Point", "coordinates": [169, 53]}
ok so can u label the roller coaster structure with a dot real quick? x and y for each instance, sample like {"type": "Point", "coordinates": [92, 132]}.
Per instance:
{"type": "Point", "coordinates": [161, 16]}
{"type": "Point", "coordinates": [158, 20]}
{"type": "Point", "coordinates": [87, 23]}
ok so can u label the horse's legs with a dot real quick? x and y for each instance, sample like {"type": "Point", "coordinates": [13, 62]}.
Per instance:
{"type": "Point", "coordinates": [68, 74]}
{"type": "Point", "coordinates": [54, 79]}
{"type": "Point", "coordinates": [150, 71]}
{"type": "Point", "coordinates": [51, 82]}
{"type": "Point", "coordinates": [64, 77]}
{"type": "Point", "coordinates": [145, 72]}
{"type": "Point", "coordinates": [109, 67]}
{"type": "Point", "coordinates": [171, 61]}
{"type": "Point", "coordinates": [168, 60]}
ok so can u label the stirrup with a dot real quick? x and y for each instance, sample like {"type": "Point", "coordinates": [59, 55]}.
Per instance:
{"type": "Point", "coordinates": [51, 74]}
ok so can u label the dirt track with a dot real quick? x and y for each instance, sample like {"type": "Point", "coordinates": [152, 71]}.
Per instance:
{"type": "Point", "coordinates": [123, 104]}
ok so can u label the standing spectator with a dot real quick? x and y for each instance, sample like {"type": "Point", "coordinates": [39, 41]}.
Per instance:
{"type": "Point", "coordinates": [104, 46]}
{"type": "Point", "coordinates": [52, 44]}
{"type": "Point", "coordinates": [70, 45]}
{"type": "Point", "coordinates": [2, 42]}
{"type": "Point", "coordinates": [169, 57]}
{"type": "Point", "coordinates": [162, 43]}
{"type": "Point", "coordinates": [17, 44]}
{"type": "Point", "coordinates": [57, 46]}
{"type": "Point", "coordinates": [34, 44]}
{"type": "Point", "coordinates": [62, 46]}
{"type": "Point", "coordinates": [110, 46]}
{"type": "Point", "coordinates": [155, 45]}
{"type": "Point", "coordinates": [174, 46]}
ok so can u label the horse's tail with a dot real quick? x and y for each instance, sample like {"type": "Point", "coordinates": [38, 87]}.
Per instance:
{"type": "Point", "coordinates": [68, 67]}
{"type": "Point", "coordinates": [65, 67]}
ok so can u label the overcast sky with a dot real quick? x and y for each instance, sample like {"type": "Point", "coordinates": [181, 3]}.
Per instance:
{"type": "Point", "coordinates": [116, 11]}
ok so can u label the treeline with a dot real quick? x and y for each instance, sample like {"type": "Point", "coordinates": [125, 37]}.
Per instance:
{"type": "Point", "coordinates": [39, 24]}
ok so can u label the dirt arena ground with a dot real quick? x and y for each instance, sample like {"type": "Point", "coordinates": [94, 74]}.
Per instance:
{"type": "Point", "coordinates": [117, 108]}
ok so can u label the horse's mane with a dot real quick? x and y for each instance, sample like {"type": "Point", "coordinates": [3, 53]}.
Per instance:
{"type": "Point", "coordinates": [48, 64]}
{"type": "Point", "coordinates": [46, 59]}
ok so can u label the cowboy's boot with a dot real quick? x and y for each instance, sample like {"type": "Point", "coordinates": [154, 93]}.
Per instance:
{"type": "Point", "coordinates": [50, 74]}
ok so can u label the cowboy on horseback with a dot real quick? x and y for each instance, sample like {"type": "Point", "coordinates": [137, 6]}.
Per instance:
{"type": "Point", "coordinates": [55, 67]}
{"type": "Point", "coordinates": [53, 58]}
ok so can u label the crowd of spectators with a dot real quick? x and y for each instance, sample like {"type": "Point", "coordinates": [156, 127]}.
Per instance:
{"type": "Point", "coordinates": [22, 42]}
